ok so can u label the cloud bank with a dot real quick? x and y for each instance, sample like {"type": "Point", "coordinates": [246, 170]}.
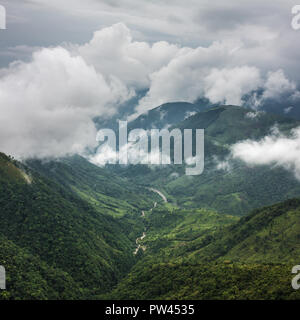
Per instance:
{"type": "Point", "coordinates": [275, 149]}
{"type": "Point", "coordinates": [47, 105]}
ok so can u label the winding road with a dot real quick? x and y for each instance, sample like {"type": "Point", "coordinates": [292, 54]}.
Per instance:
{"type": "Point", "coordinates": [160, 194]}
{"type": "Point", "coordinates": [143, 215]}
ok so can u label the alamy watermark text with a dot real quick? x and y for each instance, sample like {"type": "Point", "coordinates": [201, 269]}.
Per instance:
{"type": "Point", "coordinates": [133, 147]}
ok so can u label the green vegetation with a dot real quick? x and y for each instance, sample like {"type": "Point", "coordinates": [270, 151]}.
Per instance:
{"type": "Point", "coordinates": [30, 278]}
{"type": "Point", "coordinates": [105, 191]}
{"type": "Point", "coordinates": [206, 281]}
{"type": "Point", "coordinates": [69, 229]}
{"type": "Point", "coordinates": [249, 259]}
{"type": "Point", "coordinates": [61, 231]}
{"type": "Point", "coordinates": [173, 228]}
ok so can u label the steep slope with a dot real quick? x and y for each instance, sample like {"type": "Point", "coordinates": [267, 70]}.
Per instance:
{"type": "Point", "coordinates": [104, 190]}
{"type": "Point", "coordinates": [173, 228]}
{"type": "Point", "coordinates": [267, 235]}
{"type": "Point", "coordinates": [250, 259]}
{"type": "Point", "coordinates": [11, 171]}
{"type": "Point", "coordinates": [64, 232]}
{"type": "Point", "coordinates": [181, 281]}
{"type": "Point", "coordinates": [30, 278]}
{"type": "Point", "coordinates": [231, 186]}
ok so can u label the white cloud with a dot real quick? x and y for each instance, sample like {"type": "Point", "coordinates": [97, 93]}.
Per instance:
{"type": "Point", "coordinates": [223, 165]}
{"type": "Point", "coordinates": [230, 85]}
{"type": "Point", "coordinates": [62, 89]}
{"type": "Point", "coordinates": [253, 114]}
{"type": "Point", "coordinates": [274, 85]}
{"type": "Point", "coordinates": [262, 27]}
{"type": "Point", "coordinates": [47, 105]}
{"type": "Point", "coordinates": [182, 78]}
{"type": "Point", "coordinates": [277, 84]}
{"type": "Point", "coordinates": [275, 149]}
{"type": "Point", "coordinates": [189, 114]}
{"type": "Point", "coordinates": [202, 72]}
{"type": "Point", "coordinates": [114, 53]}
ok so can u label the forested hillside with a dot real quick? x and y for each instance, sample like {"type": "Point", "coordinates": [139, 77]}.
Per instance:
{"type": "Point", "coordinates": [104, 190]}
{"type": "Point", "coordinates": [70, 229]}
{"type": "Point", "coordinates": [50, 226]}
{"type": "Point", "coordinates": [249, 259]}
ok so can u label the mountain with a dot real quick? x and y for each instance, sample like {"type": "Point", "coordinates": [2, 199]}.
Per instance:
{"type": "Point", "coordinates": [161, 116]}
{"type": "Point", "coordinates": [53, 232]}
{"type": "Point", "coordinates": [165, 115]}
{"type": "Point", "coordinates": [226, 185]}
{"type": "Point", "coordinates": [230, 124]}
{"type": "Point", "coordinates": [248, 259]}
{"type": "Point", "coordinates": [102, 189]}
{"type": "Point", "coordinates": [72, 230]}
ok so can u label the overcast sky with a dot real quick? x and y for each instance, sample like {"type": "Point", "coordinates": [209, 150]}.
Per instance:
{"type": "Point", "coordinates": [190, 23]}
{"type": "Point", "coordinates": [80, 59]}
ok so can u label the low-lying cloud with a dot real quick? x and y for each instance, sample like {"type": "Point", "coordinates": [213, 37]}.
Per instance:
{"type": "Point", "coordinates": [275, 149]}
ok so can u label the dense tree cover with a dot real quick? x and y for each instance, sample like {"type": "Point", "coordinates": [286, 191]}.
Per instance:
{"type": "Point", "coordinates": [248, 259]}
{"type": "Point", "coordinates": [175, 228]}
{"type": "Point", "coordinates": [28, 277]}
{"type": "Point", "coordinates": [180, 281]}
{"type": "Point", "coordinates": [104, 190]}
{"type": "Point", "coordinates": [63, 232]}
{"type": "Point", "coordinates": [58, 244]}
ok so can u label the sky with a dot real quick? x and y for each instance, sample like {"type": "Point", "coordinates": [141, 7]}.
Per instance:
{"type": "Point", "coordinates": [191, 23]}
{"type": "Point", "coordinates": [62, 63]}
